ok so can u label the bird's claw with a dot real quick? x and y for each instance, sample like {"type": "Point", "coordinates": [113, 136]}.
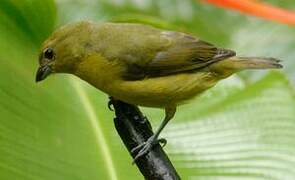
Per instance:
{"type": "Point", "coordinates": [146, 147]}
{"type": "Point", "coordinates": [110, 104]}
{"type": "Point", "coordinates": [162, 142]}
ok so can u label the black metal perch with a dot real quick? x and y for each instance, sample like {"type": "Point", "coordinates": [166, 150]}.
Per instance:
{"type": "Point", "coordinates": [135, 129]}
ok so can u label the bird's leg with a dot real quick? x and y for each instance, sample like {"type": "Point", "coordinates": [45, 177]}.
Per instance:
{"type": "Point", "coordinates": [145, 147]}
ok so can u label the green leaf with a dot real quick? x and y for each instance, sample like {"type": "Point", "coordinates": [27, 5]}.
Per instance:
{"type": "Point", "coordinates": [248, 134]}
{"type": "Point", "coordinates": [33, 17]}
{"type": "Point", "coordinates": [52, 130]}
{"type": "Point", "coordinates": [62, 129]}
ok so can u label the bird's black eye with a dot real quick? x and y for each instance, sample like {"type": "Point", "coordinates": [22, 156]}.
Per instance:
{"type": "Point", "coordinates": [48, 53]}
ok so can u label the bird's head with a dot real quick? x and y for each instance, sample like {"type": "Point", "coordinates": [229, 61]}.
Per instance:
{"type": "Point", "coordinates": [63, 50]}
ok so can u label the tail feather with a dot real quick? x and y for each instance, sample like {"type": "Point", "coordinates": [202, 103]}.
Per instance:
{"type": "Point", "coordinates": [227, 67]}
{"type": "Point", "coordinates": [241, 63]}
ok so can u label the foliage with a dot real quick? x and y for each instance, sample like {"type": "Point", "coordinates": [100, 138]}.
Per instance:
{"type": "Point", "coordinates": [62, 129]}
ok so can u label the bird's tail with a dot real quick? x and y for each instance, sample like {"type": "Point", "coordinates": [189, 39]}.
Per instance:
{"type": "Point", "coordinates": [240, 63]}
{"type": "Point", "coordinates": [226, 67]}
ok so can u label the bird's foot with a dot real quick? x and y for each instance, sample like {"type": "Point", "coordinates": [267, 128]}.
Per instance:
{"type": "Point", "coordinates": [110, 104]}
{"type": "Point", "coordinates": [146, 147]}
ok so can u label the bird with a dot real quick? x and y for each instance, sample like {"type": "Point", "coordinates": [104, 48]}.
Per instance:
{"type": "Point", "coordinates": [142, 65]}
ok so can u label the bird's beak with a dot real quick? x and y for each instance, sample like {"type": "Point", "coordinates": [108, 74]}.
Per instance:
{"type": "Point", "coordinates": [43, 72]}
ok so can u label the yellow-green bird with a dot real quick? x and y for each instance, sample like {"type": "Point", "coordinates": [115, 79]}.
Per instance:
{"type": "Point", "coordinates": [142, 65]}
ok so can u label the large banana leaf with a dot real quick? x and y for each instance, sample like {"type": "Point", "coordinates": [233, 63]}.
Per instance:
{"type": "Point", "coordinates": [61, 128]}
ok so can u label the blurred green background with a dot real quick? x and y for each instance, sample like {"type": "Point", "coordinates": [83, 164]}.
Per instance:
{"type": "Point", "coordinates": [61, 129]}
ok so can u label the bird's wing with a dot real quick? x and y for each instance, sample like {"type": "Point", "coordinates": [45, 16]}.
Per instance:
{"type": "Point", "coordinates": [182, 53]}
{"type": "Point", "coordinates": [152, 52]}
{"type": "Point", "coordinates": [185, 53]}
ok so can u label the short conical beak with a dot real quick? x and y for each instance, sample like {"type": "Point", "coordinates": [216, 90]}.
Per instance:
{"type": "Point", "coordinates": [42, 73]}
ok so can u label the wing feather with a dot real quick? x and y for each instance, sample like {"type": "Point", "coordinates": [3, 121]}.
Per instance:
{"type": "Point", "coordinates": [185, 54]}
{"type": "Point", "coordinates": [151, 52]}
